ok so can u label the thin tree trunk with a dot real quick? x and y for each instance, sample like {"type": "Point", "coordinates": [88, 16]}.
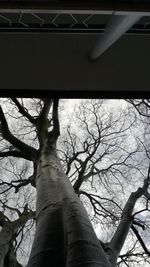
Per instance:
{"type": "Point", "coordinates": [10, 259]}
{"type": "Point", "coordinates": [64, 235]}
{"type": "Point", "coordinates": [9, 228]}
{"type": "Point", "coordinates": [5, 238]}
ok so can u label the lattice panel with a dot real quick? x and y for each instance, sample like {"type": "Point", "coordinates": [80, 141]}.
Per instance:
{"type": "Point", "coordinates": [46, 22]}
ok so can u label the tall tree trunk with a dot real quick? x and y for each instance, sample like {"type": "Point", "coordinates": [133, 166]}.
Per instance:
{"type": "Point", "coordinates": [64, 235]}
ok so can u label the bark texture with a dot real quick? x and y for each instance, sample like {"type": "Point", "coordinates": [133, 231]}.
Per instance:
{"type": "Point", "coordinates": [64, 235]}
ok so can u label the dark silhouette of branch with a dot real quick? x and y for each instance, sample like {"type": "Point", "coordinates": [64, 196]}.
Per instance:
{"type": "Point", "coordinates": [98, 204]}
{"type": "Point", "coordinates": [142, 106]}
{"type": "Point", "coordinates": [23, 110]}
{"type": "Point", "coordinates": [11, 259]}
{"type": "Point", "coordinates": [56, 128]}
{"type": "Point", "coordinates": [14, 153]}
{"type": "Point", "coordinates": [24, 217]}
{"type": "Point", "coordinates": [43, 123]}
{"type": "Point", "coordinates": [17, 184]}
{"type": "Point", "coordinates": [30, 152]}
{"type": "Point", "coordinates": [140, 239]}
{"type": "Point", "coordinates": [4, 205]}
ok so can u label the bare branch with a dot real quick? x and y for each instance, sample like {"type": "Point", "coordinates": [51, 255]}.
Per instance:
{"type": "Point", "coordinates": [14, 153]}
{"type": "Point", "coordinates": [30, 152]}
{"type": "Point", "coordinates": [42, 124]}
{"type": "Point", "coordinates": [120, 235]}
{"type": "Point", "coordinates": [23, 111]}
{"type": "Point", "coordinates": [24, 217]}
{"type": "Point", "coordinates": [10, 208]}
{"type": "Point", "coordinates": [142, 106]}
{"type": "Point", "coordinates": [56, 128]}
{"type": "Point", "coordinates": [140, 240]}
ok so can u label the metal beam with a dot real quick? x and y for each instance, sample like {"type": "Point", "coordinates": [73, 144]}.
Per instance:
{"type": "Point", "coordinates": [76, 6]}
{"type": "Point", "coordinates": [116, 27]}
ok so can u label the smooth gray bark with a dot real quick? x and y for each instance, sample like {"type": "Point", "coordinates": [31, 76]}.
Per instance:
{"type": "Point", "coordinates": [64, 234]}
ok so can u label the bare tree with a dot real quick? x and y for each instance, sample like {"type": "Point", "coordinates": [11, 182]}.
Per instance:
{"type": "Point", "coordinates": [8, 234]}
{"type": "Point", "coordinates": [98, 155]}
{"type": "Point", "coordinates": [110, 168]}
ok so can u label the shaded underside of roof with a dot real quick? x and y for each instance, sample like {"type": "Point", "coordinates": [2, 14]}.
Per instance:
{"type": "Point", "coordinates": [44, 48]}
{"type": "Point", "coordinates": [76, 4]}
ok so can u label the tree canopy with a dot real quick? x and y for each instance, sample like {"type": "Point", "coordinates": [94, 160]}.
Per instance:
{"type": "Point", "coordinates": [103, 146]}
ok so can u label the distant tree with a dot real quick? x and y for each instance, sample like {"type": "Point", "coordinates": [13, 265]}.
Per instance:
{"type": "Point", "coordinates": [8, 234]}
{"type": "Point", "coordinates": [93, 162]}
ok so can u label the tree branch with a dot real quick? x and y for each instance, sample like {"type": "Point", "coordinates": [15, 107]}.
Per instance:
{"type": "Point", "coordinates": [140, 240]}
{"type": "Point", "coordinates": [31, 180]}
{"type": "Point", "coordinates": [120, 235]}
{"type": "Point", "coordinates": [11, 258]}
{"type": "Point", "coordinates": [10, 208]}
{"type": "Point", "coordinates": [21, 182]}
{"type": "Point", "coordinates": [42, 124]}
{"type": "Point", "coordinates": [15, 153]}
{"type": "Point", "coordinates": [138, 104]}
{"type": "Point", "coordinates": [45, 110]}
{"type": "Point", "coordinates": [21, 221]}
{"type": "Point", "coordinates": [23, 111]}
{"type": "Point", "coordinates": [30, 152]}
{"type": "Point", "coordinates": [84, 164]}
{"type": "Point", "coordinates": [55, 117]}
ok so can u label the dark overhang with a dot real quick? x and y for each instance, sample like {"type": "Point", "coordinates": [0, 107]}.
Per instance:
{"type": "Point", "coordinates": [63, 5]}
{"type": "Point", "coordinates": [45, 45]}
